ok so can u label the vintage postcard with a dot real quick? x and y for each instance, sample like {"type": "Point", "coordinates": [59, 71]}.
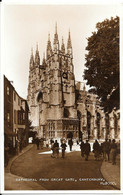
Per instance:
{"type": "Point", "coordinates": [60, 83]}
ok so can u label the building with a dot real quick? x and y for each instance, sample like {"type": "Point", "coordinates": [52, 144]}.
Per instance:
{"type": "Point", "coordinates": [8, 114]}
{"type": "Point", "coordinates": [60, 106]}
{"type": "Point", "coordinates": [15, 119]}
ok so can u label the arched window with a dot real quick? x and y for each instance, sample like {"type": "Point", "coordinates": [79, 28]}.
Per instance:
{"type": "Point", "coordinates": [66, 113]}
{"type": "Point", "coordinates": [107, 123]}
{"type": "Point", "coordinates": [78, 114]}
{"type": "Point", "coordinates": [40, 96]}
{"type": "Point", "coordinates": [98, 124]}
{"type": "Point", "coordinates": [115, 124]}
{"type": "Point", "coordinates": [88, 123]}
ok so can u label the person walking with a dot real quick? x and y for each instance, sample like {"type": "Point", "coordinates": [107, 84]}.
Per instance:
{"type": "Point", "coordinates": [52, 148]}
{"type": "Point", "coordinates": [77, 141]}
{"type": "Point", "coordinates": [108, 149]}
{"type": "Point", "coordinates": [47, 143]}
{"type": "Point", "coordinates": [96, 150]}
{"type": "Point", "coordinates": [37, 143]}
{"type": "Point", "coordinates": [56, 149]}
{"type": "Point", "coordinates": [17, 146]}
{"type": "Point", "coordinates": [87, 149]}
{"type": "Point", "coordinates": [118, 147]}
{"type": "Point", "coordinates": [105, 147]}
{"type": "Point", "coordinates": [82, 147]}
{"type": "Point", "coordinates": [113, 152]}
{"type": "Point", "coordinates": [63, 146]}
{"type": "Point", "coordinates": [70, 143]}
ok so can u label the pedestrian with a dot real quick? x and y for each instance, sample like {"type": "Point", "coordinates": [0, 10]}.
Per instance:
{"type": "Point", "coordinates": [118, 147]}
{"type": "Point", "coordinates": [105, 147]}
{"type": "Point", "coordinates": [108, 149]}
{"type": "Point", "coordinates": [82, 147]}
{"type": "Point", "coordinates": [113, 152]}
{"type": "Point", "coordinates": [87, 149]}
{"type": "Point", "coordinates": [47, 143]}
{"type": "Point", "coordinates": [56, 149]}
{"type": "Point", "coordinates": [96, 150]}
{"type": "Point", "coordinates": [70, 143]}
{"type": "Point", "coordinates": [52, 148]}
{"type": "Point", "coordinates": [37, 142]}
{"type": "Point", "coordinates": [17, 146]}
{"type": "Point", "coordinates": [63, 146]}
{"type": "Point", "coordinates": [51, 141]}
{"type": "Point", "coordinates": [61, 140]}
{"type": "Point", "coordinates": [77, 141]}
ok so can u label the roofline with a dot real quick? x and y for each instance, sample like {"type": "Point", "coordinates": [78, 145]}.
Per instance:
{"type": "Point", "coordinates": [14, 88]}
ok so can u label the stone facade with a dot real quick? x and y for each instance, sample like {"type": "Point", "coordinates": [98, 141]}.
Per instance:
{"type": "Point", "coordinates": [60, 106]}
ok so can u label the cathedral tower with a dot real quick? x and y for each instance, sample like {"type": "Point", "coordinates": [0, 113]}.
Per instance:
{"type": "Point", "coordinates": [51, 90]}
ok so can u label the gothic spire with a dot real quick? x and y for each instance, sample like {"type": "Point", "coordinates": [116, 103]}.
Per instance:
{"type": "Point", "coordinates": [31, 58]}
{"type": "Point", "coordinates": [56, 34]}
{"type": "Point", "coordinates": [84, 88]}
{"type": "Point", "coordinates": [63, 46]}
{"type": "Point", "coordinates": [49, 48]}
{"type": "Point", "coordinates": [49, 37]}
{"type": "Point", "coordinates": [37, 57]}
{"type": "Point", "coordinates": [56, 41]}
{"type": "Point", "coordinates": [69, 44]}
{"type": "Point", "coordinates": [56, 28]}
{"type": "Point", "coordinates": [43, 61]}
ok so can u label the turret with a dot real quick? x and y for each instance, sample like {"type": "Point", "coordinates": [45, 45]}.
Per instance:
{"type": "Point", "coordinates": [31, 60]}
{"type": "Point", "coordinates": [49, 48]}
{"type": "Point", "coordinates": [84, 88]}
{"type": "Point", "coordinates": [69, 46]}
{"type": "Point", "coordinates": [37, 57]}
{"type": "Point", "coordinates": [63, 46]}
{"type": "Point", "coordinates": [43, 61]}
{"type": "Point", "coordinates": [56, 41]}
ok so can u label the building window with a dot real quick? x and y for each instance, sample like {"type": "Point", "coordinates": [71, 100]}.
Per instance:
{"type": "Point", "coordinates": [53, 126]}
{"type": "Point", "coordinates": [98, 124]}
{"type": "Point", "coordinates": [14, 96]}
{"type": "Point", "coordinates": [15, 116]}
{"type": "Point", "coordinates": [8, 117]}
{"type": "Point", "coordinates": [23, 116]}
{"type": "Point", "coordinates": [40, 96]}
{"type": "Point", "coordinates": [88, 123]}
{"type": "Point", "coordinates": [115, 124]}
{"type": "Point", "coordinates": [107, 124]}
{"type": "Point", "coordinates": [20, 118]}
{"type": "Point", "coordinates": [8, 91]}
{"type": "Point", "coordinates": [66, 113]}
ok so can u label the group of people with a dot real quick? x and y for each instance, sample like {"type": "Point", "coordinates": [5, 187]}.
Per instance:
{"type": "Point", "coordinates": [55, 148]}
{"type": "Point", "coordinates": [107, 149]}
{"type": "Point", "coordinates": [110, 150]}
{"type": "Point", "coordinates": [85, 149]}
{"type": "Point", "coordinates": [41, 143]}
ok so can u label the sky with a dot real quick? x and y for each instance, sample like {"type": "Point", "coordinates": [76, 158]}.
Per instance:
{"type": "Point", "coordinates": [27, 25]}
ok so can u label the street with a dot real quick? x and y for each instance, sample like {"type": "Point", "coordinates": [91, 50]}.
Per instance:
{"type": "Point", "coordinates": [71, 173]}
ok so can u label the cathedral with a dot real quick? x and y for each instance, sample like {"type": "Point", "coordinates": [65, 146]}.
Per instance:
{"type": "Point", "coordinates": [59, 105]}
